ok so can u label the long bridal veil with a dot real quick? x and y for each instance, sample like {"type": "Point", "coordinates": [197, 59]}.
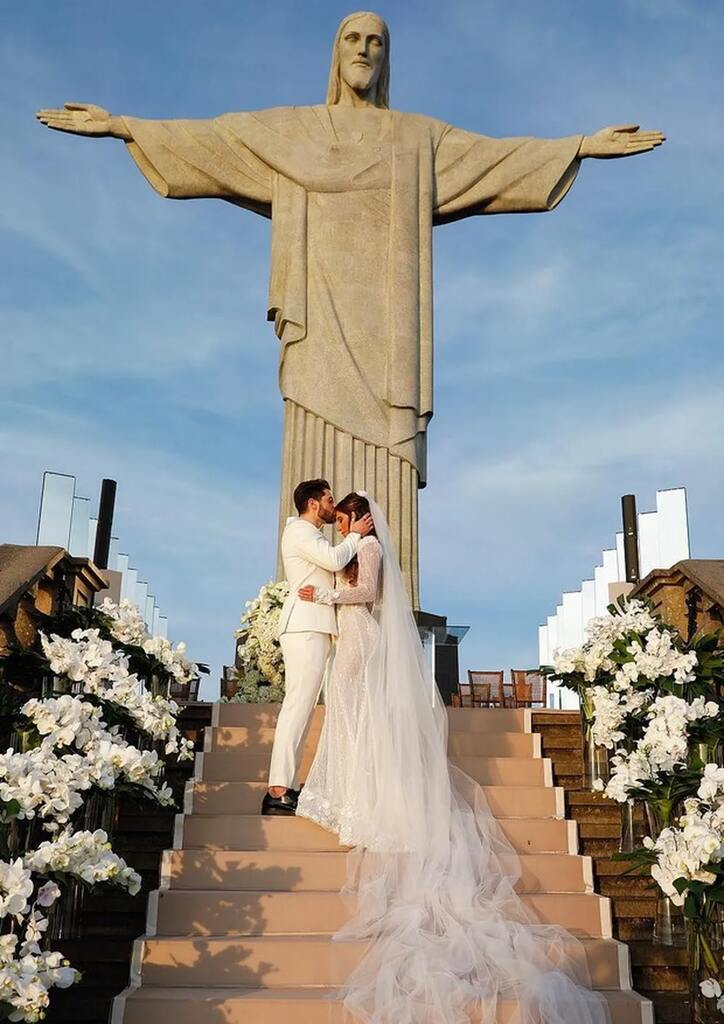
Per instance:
{"type": "Point", "coordinates": [432, 880]}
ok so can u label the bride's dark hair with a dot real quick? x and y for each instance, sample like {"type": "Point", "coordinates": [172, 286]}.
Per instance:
{"type": "Point", "coordinates": [357, 505]}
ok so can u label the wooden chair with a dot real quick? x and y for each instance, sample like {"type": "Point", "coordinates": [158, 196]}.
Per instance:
{"type": "Point", "coordinates": [184, 693]}
{"type": "Point", "coordinates": [486, 689]}
{"type": "Point", "coordinates": [529, 687]}
{"type": "Point", "coordinates": [467, 697]}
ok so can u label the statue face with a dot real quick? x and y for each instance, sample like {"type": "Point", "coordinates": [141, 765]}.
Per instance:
{"type": "Point", "coordinates": [362, 53]}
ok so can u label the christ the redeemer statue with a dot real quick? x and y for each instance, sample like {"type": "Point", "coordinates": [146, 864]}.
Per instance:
{"type": "Point", "coordinates": [353, 190]}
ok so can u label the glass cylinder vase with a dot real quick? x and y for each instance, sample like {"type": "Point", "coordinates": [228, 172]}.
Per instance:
{"type": "Point", "coordinates": [669, 921]}
{"type": "Point", "coordinates": [595, 757]}
{"type": "Point", "coordinates": [706, 966]}
{"type": "Point", "coordinates": [627, 842]}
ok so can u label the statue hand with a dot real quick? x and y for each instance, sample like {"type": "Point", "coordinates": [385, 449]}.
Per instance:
{"type": "Point", "coordinates": [621, 140]}
{"type": "Point", "coordinates": [79, 119]}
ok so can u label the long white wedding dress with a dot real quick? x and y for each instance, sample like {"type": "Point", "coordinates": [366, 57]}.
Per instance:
{"type": "Point", "coordinates": [431, 878]}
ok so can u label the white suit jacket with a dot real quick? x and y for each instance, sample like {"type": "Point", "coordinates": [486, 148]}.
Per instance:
{"type": "Point", "coordinates": [310, 560]}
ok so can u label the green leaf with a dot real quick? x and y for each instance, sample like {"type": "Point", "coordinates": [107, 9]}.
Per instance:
{"type": "Point", "coordinates": [9, 810]}
{"type": "Point", "coordinates": [691, 909]}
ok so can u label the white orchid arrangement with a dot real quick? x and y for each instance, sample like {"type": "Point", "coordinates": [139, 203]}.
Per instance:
{"type": "Point", "coordinates": [98, 669]}
{"type": "Point", "coordinates": [655, 702]}
{"type": "Point", "coordinates": [127, 623]}
{"type": "Point", "coordinates": [260, 673]}
{"type": "Point", "coordinates": [85, 855]}
{"type": "Point", "coordinates": [148, 655]}
{"type": "Point", "coordinates": [662, 752]}
{"type": "Point", "coordinates": [27, 973]}
{"type": "Point", "coordinates": [642, 691]}
{"type": "Point", "coordinates": [76, 742]}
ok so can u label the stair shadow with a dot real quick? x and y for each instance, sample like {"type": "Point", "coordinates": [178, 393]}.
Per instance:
{"type": "Point", "coordinates": [216, 967]}
{"type": "Point", "coordinates": [207, 964]}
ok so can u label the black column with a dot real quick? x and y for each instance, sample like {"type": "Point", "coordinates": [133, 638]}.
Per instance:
{"type": "Point", "coordinates": [105, 523]}
{"type": "Point", "coordinates": [630, 537]}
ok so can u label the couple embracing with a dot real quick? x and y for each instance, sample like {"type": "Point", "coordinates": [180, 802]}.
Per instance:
{"type": "Point", "coordinates": [312, 615]}
{"type": "Point", "coordinates": [431, 876]}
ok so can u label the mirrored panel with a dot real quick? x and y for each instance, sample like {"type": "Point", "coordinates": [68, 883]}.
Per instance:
{"type": "Point", "coordinates": [79, 526]}
{"type": "Point", "coordinates": [56, 509]}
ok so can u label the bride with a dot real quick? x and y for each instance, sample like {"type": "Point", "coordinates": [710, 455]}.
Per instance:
{"type": "Point", "coordinates": [431, 875]}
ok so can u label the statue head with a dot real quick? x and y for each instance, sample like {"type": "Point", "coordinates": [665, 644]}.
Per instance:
{"type": "Point", "coordinates": [361, 59]}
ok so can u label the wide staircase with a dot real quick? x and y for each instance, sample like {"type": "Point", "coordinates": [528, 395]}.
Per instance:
{"type": "Point", "coordinates": [240, 929]}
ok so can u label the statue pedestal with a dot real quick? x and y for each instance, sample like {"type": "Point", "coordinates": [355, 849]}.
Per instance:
{"type": "Point", "coordinates": [443, 641]}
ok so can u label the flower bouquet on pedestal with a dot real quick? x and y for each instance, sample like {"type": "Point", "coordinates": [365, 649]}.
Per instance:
{"type": "Point", "coordinates": [607, 674]}
{"type": "Point", "coordinates": [259, 672]}
{"type": "Point", "coordinates": [685, 860]}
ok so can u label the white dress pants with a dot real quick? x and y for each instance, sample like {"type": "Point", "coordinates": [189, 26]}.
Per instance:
{"type": "Point", "coordinates": [305, 660]}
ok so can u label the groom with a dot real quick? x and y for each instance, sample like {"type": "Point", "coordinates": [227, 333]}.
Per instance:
{"type": "Point", "coordinates": [305, 630]}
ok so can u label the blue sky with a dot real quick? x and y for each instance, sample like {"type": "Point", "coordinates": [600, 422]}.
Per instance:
{"type": "Point", "coordinates": [579, 354]}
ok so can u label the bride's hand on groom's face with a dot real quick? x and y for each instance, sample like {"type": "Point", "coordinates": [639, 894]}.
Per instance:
{"type": "Point", "coordinates": [306, 593]}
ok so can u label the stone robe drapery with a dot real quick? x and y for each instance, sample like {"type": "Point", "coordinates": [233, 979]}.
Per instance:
{"type": "Point", "coordinates": [353, 194]}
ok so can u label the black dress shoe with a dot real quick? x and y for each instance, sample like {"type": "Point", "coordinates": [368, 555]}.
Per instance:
{"type": "Point", "coordinates": [284, 804]}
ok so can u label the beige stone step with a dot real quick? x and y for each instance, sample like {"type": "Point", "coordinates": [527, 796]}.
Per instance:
{"type": "Point", "coordinates": [297, 1006]}
{"type": "Point", "coordinates": [233, 766]}
{"type": "Point", "coordinates": [494, 744]}
{"type": "Point", "coordinates": [253, 832]}
{"type": "Point", "coordinates": [300, 961]}
{"type": "Point", "coordinates": [243, 739]}
{"type": "Point", "coordinates": [238, 912]}
{"type": "Point", "coordinates": [251, 738]}
{"type": "Point", "coordinates": [246, 798]}
{"type": "Point", "coordinates": [489, 720]}
{"type": "Point", "coordinates": [255, 716]}
{"type": "Point", "coordinates": [295, 871]}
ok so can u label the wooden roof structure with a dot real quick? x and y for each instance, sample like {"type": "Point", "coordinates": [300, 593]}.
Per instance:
{"type": "Point", "coordinates": [21, 567]}
{"type": "Point", "coordinates": [705, 573]}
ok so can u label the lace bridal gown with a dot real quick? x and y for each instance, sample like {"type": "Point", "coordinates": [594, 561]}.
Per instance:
{"type": "Point", "coordinates": [431, 878]}
{"type": "Point", "coordinates": [328, 796]}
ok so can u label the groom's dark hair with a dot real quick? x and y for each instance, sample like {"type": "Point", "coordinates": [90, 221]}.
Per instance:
{"type": "Point", "coordinates": [307, 491]}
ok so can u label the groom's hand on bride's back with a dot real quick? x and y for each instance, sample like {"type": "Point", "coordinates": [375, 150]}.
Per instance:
{"type": "Point", "coordinates": [362, 526]}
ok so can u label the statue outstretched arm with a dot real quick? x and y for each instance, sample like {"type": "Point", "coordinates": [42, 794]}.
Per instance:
{"type": "Point", "coordinates": [85, 119]}
{"type": "Point", "coordinates": [476, 174]}
{"type": "Point", "coordinates": [181, 159]}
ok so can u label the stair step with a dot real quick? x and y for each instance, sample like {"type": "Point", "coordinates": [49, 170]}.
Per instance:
{"type": "Point", "coordinates": [254, 832]}
{"type": "Point", "coordinates": [494, 744]}
{"type": "Point", "coordinates": [295, 871]}
{"type": "Point", "coordinates": [238, 912]}
{"type": "Point", "coordinates": [644, 954]}
{"type": "Point", "coordinates": [600, 829]}
{"type": "Point", "coordinates": [487, 720]}
{"type": "Point", "coordinates": [232, 766]}
{"type": "Point", "coordinates": [561, 737]}
{"type": "Point", "coordinates": [300, 961]}
{"type": "Point", "coordinates": [259, 740]}
{"type": "Point", "coordinates": [241, 927]}
{"type": "Point", "coordinates": [670, 1007]}
{"type": "Point", "coordinates": [503, 801]}
{"type": "Point", "coordinates": [556, 716]}
{"type": "Point", "coordinates": [301, 1006]}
